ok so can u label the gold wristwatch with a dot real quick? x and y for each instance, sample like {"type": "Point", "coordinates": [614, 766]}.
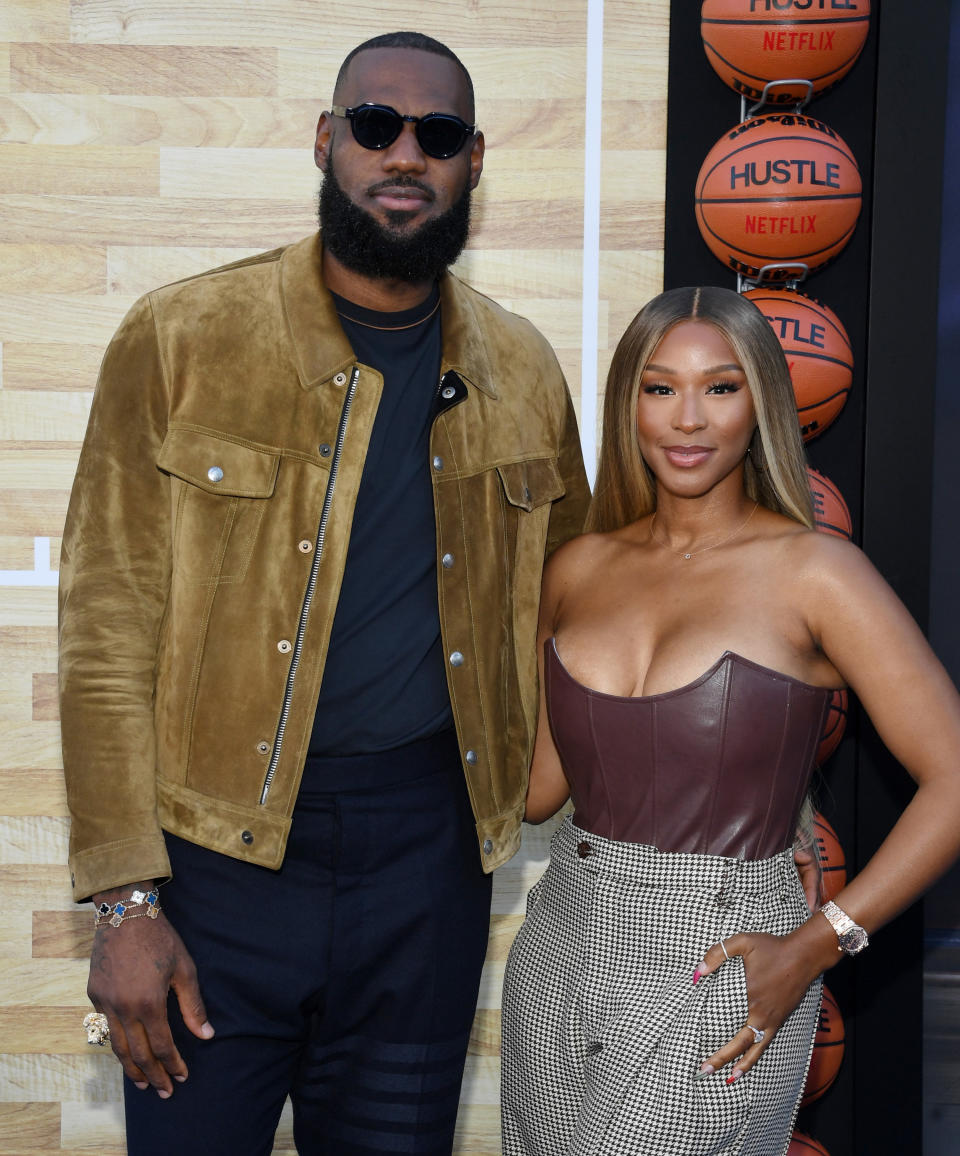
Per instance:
{"type": "Point", "coordinates": [851, 937]}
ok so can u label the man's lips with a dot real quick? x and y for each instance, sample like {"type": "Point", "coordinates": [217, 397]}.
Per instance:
{"type": "Point", "coordinates": [390, 195]}
{"type": "Point", "coordinates": [687, 456]}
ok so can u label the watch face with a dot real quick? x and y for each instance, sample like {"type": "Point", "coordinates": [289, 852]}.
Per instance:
{"type": "Point", "coordinates": [853, 940]}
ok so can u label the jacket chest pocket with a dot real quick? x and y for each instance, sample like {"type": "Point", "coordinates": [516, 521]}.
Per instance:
{"type": "Point", "coordinates": [531, 485]}
{"type": "Point", "coordinates": [219, 492]}
{"type": "Point", "coordinates": [529, 489]}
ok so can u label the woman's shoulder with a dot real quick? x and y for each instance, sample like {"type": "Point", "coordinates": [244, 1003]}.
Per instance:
{"type": "Point", "coordinates": [593, 548]}
{"type": "Point", "coordinates": [817, 559]}
{"type": "Point", "coordinates": [582, 561]}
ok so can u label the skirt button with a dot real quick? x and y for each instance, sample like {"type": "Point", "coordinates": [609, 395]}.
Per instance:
{"type": "Point", "coordinates": [584, 849]}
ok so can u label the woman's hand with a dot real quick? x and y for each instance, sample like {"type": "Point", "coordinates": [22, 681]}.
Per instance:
{"type": "Point", "coordinates": [778, 970]}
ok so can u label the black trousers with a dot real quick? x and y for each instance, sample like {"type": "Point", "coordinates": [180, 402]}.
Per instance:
{"type": "Point", "coordinates": [348, 979]}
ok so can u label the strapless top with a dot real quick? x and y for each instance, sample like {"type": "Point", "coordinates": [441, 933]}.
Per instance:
{"type": "Point", "coordinates": [719, 766]}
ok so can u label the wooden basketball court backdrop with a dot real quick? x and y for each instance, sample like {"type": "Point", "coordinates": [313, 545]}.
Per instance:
{"type": "Point", "coordinates": [142, 141]}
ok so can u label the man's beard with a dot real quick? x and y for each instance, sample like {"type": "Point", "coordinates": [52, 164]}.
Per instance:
{"type": "Point", "coordinates": [366, 247]}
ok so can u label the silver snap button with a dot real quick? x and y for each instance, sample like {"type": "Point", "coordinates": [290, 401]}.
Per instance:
{"type": "Point", "coordinates": [284, 646]}
{"type": "Point", "coordinates": [447, 561]}
{"type": "Point", "coordinates": [339, 379]}
{"type": "Point", "coordinates": [471, 757]}
{"type": "Point", "coordinates": [456, 659]}
{"type": "Point", "coordinates": [215, 474]}
{"type": "Point", "coordinates": [305, 546]}
{"type": "Point", "coordinates": [263, 747]}
{"type": "Point", "coordinates": [487, 846]}
{"type": "Point", "coordinates": [247, 837]}
{"type": "Point", "coordinates": [447, 392]}
{"type": "Point", "coordinates": [324, 450]}
{"type": "Point", "coordinates": [438, 462]}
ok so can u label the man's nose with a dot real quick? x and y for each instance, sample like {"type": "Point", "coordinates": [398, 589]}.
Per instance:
{"type": "Point", "coordinates": [405, 154]}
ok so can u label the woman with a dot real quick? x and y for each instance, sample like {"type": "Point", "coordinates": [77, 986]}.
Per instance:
{"type": "Point", "coordinates": [661, 997]}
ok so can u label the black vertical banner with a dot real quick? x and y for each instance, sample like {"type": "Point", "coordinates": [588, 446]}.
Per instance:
{"type": "Point", "coordinates": [890, 110]}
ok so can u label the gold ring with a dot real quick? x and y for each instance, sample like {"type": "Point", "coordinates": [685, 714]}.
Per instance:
{"type": "Point", "coordinates": [97, 1028]}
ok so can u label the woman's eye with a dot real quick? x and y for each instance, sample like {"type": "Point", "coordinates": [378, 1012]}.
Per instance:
{"type": "Point", "coordinates": [657, 390]}
{"type": "Point", "coordinates": [723, 387]}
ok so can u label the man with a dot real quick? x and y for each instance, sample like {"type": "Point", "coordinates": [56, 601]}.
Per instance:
{"type": "Point", "coordinates": [299, 589]}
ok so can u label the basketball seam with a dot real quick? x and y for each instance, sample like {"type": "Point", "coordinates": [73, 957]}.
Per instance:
{"type": "Point", "coordinates": [846, 64]}
{"type": "Point", "coordinates": [784, 23]}
{"type": "Point", "coordinates": [837, 244]}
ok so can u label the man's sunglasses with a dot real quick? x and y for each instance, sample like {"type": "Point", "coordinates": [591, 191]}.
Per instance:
{"type": "Point", "coordinates": [376, 126]}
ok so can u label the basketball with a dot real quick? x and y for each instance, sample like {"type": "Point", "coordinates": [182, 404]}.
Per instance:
{"type": "Point", "coordinates": [834, 727]}
{"type": "Point", "coordinates": [833, 864]}
{"type": "Point", "coordinates": [751, 42]}
{"type": "Point", "coordinates": [830, 511]}
{"type": "Point", "coordinates": [801, 1145]}
{"type": "Point", "coordinates": [818, 353]}
{"type": "Point", "coordinates": [775, 189]}
{"type": "Point", "coordinates": [827, 1050]}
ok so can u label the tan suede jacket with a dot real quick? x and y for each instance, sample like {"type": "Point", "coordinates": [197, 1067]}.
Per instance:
{"type": "Point", "coordinates": [205, 544]}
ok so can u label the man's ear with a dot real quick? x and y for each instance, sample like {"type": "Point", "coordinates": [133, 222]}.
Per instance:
{"type": "Point", "coordinates": [321, 147]}
{"type": "Point", "coordinates": [476, 160]}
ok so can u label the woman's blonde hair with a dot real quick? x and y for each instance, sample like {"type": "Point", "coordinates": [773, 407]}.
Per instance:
{"type": "Point", "coordinates": [775, 470]}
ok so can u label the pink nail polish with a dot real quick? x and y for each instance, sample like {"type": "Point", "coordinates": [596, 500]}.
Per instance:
{"type": "Point", "coordinates": [706, 1069]}
{"type": "Point", "coordinates": [734, 1076]}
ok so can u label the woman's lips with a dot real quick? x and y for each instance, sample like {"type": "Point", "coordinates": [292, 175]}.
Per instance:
{"type": "Point", "coordinates": [687, 456]}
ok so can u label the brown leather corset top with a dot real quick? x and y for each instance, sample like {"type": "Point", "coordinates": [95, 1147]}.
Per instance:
{"type": "Point", "coordinates": [719, 766]}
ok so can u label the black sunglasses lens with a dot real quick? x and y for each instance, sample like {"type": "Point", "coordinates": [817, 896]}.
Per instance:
{"type": "Point", "coordinates": [441, 136]}
{"type": "Point", "coordinates": [376, 128]}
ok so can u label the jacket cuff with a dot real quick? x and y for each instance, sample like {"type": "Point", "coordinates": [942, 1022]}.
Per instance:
{"type": "Point", "coordinates": [117, 864]}
{"type": "Point", "coordinates": [499, 838]}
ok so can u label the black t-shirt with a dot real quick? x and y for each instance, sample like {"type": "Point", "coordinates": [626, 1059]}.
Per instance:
{"type": "Point", "coordinates": [385, 684]}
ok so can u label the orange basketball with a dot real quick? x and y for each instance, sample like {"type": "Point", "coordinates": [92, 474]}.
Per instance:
{"type": "Point", "coordinates": [778, 188]}
{"type": "Point", "coordinates": [827, 1050]}
{"type": "Point", "coordinates": [833, 864]}
{"type": "Point", "coordinates": [801, 1145]}
{"type": "Point", "coordinates": [818, 352]}
{"type": "Point", "coordinates": [834, 727]}
{"type": "Point", "coordinates": [751, 42]}
{"type": "Point", "coordinates": [830, 511]}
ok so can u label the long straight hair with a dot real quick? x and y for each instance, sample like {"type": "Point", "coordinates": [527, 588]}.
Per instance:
{"type": "Point", "coordinates": [775, 468]}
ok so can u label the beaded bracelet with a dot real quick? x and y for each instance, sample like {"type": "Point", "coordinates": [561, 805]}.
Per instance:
{"type": "Point", "coordinates": [116, 913]}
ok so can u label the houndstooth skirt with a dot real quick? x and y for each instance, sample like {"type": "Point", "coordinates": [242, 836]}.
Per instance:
{"type": "Point", "coordinates": [603, 1028]}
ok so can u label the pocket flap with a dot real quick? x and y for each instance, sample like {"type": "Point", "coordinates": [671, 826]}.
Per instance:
{"type": "Point", "coordinates": [218, 465]}
{"type": "Point", "coordinates": [531, 483]}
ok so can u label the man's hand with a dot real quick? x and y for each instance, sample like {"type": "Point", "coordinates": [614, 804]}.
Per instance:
{"type": "Point", "coordinates": [132, 968]}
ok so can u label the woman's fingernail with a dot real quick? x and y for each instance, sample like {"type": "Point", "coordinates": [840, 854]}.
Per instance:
{"type": "Point", "coordinates": [734, 1076]}
{"type": "Point", "coordinates": [163, 1093]}
{"type": "Point", "coordinates": [142, 1087]}
{"type": "Point", "coordinates": [180, 1079]}
{"type": "Point", "coordinates": [705, 1070]}
{"type": "Point", "coordinates": [700, 970]}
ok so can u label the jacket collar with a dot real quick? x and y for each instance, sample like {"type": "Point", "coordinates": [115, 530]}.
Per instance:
{"type": "Point", "coordinates": [321, 349]}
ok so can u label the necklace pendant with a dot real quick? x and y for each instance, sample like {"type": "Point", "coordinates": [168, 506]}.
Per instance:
{"type": "Point", "coordinates": [688, 555]}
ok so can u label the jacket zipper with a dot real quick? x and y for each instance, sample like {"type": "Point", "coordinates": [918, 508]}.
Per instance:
{"type": "Point", "coordinates": [311, 585]}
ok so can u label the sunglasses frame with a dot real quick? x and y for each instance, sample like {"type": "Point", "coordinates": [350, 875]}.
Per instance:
{"type": "Point", "coordinates": [468, 130]}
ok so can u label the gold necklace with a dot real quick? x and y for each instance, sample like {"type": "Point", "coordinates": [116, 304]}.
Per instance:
{"type": "Point", "coordinates": [391, 328]}
{"type": "Point", "coordinates": [694, 553]}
